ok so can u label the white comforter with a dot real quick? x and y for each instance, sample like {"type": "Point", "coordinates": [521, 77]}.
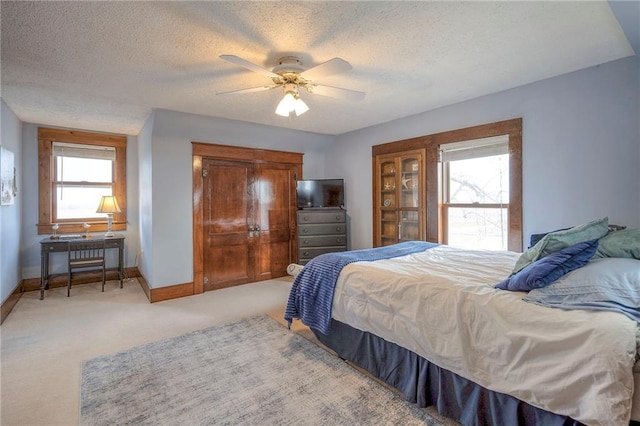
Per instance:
{"type": "Point", "coordinates": [441, 304]}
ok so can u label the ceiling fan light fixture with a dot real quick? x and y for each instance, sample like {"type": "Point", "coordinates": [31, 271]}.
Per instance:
{"type": "Point", "coordinates": [291, 76]}
{"type": "Point", "coordinates": [300, 106]}
{"type": "Point", "coordinates": [286, 105]}
{"type": "Point", "coordinates": [291, 102]}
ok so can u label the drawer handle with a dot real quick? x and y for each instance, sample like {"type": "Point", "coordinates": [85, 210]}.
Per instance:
{"type": "Point", "coordinates": [338, 217]}
{"type": "Point", "coordinates": [304, 231]}
{"type": "Point", "coordinates": [339, 228]}
{"type": "Point", "coordinates": [305, 218]}
{"type": "Point", "coordinates": [306, 253]}
{"type": "Point", "coordinates": [339, 240]}
{"type": "Point", "coordinates": [305, 241]}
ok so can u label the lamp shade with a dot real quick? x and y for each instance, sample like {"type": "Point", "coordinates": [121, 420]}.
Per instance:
{"type": "Point", "coordinates": [291, 102]}
{"type": "Point", "coordinates": [300, 107]}
{"type": "Point", "coordinates": [286, 105]}
{"type": "Point", "coordinates": [108, 204]}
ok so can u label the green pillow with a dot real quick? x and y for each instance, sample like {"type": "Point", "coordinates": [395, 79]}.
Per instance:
{"type": "Point", "coordinates": [555, 241]}
{"type": "Point", "coordinates": [623, 243]}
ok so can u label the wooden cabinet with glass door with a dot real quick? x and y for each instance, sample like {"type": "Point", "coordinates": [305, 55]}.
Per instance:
{"type": "Point", "coordinates": [399, 197]}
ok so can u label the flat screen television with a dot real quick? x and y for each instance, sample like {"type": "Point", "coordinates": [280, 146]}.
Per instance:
{"type": "Point", "coordinates": [320, 193]}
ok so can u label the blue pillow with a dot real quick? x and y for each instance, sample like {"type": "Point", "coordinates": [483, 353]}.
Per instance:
{"type": "Point", "coordinates": [544, 271]}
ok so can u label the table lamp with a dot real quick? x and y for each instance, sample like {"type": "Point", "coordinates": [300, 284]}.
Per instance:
{"type": "Point", "coordinates": [108, 205]}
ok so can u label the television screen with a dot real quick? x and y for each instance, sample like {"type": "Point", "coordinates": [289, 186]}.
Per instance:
{"type": "Point", "coordinates": [320, 193]}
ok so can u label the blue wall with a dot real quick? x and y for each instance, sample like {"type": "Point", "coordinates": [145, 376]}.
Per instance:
{"type": "Point", "coordinates": [581, 148]}
{"type": "Point", "coordinates": [11, 215]}
{"type": "Point", "coordinates": [166, 237]}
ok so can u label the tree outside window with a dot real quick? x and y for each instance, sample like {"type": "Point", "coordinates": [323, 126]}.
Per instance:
{"type": "Point", "coordinates": [477, 202]}
{"type": "Point", "coordinates": [475, 192]}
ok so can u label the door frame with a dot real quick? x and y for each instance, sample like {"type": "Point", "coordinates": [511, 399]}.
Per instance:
{"type": "Point", "coordinates": [202, 150]}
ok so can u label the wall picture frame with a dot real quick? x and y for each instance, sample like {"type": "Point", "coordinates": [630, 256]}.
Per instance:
{"type": "Point", "coordinates": [8, 188]}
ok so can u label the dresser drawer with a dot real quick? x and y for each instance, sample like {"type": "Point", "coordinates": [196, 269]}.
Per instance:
{"type": "Point", "coordinates": [322, 229]}
{"type": "Point", "coordinates": [322, 216]}
{"type": "Point", "coordinates": [323, 240]}
{"type": "Point", "coordinates": [305, 254]}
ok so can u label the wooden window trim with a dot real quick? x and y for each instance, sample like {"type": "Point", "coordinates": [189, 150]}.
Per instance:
{"type": "Point", "coordinates": [434, 225]}
{"type": "Point", "coordinates": [46, 137]}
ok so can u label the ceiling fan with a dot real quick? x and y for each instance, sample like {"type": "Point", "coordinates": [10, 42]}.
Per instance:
{"type": "Point", "coordinates": [291, 76]}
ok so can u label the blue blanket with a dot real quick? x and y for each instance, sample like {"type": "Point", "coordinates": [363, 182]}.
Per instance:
{"type": "Point", "coordinates": [311, 296]}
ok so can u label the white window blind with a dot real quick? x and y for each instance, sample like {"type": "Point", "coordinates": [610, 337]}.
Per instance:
{"type": "Point", "coordinates": [97, 152]}
{"type": "Point", "coordinates": [476, 148]}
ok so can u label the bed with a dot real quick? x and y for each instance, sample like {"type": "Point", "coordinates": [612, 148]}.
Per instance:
{"type": "Point", "coordinates": [428, 320]}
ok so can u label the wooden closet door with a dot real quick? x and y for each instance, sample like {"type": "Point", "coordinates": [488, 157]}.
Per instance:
{"type": "Point", "coordinates": [227, 215]}
{"type": "Point", "coordinates": [275, 207]}
{"type": "Point", "coordinates": [236, 189]}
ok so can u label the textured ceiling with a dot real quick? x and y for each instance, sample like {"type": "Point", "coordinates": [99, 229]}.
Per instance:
{"type": "Point", "coordinates": [105, 65]}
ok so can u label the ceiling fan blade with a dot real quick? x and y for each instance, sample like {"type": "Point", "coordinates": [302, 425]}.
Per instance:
{"type": "Point", "coordinates": [249, 90]}
{"type": "Point", "coordinates": [248, 65]}
{"type": "Point", "coordinates": [332, 66]}
{"type": "Point", "coordinates": [337, 92]}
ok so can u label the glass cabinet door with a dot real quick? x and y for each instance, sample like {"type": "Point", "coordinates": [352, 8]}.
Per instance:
{"type": "Point", "coordinates": [388, 202]}
{"type": "Point", "coordinates": [409, 226]}
{"type": "Point", "coordinates": [389, 228]}
{"type": "Point", "coordinates": [399, 208]}
{"type": "Point", "coordinates": [388, 184]}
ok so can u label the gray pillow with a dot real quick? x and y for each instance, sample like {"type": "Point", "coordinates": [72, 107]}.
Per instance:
{"type": "Point", "coordinates": [601, 285]}
{"type": "Point", "coordinates": [558, 240]}
{"type": "Point", "coordinates": [623, 243]}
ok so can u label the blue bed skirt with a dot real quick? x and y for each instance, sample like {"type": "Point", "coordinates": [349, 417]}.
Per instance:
{"type": "Point", "coordinates": [426, 384]}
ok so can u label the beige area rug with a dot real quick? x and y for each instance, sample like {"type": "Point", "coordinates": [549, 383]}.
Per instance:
{"type": "Point", "coordinates": [252, 371]}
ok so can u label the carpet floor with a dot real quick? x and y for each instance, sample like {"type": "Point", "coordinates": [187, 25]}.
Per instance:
{"type": "Point", "coordinates": [252, 371]}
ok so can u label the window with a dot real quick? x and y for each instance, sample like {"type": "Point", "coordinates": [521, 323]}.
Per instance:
{"type": "Point", "coordinates": [475, 193]}
{"type": "Point", "coordinates": [495, 149]}
{"type": "Point", "coordinates": [83, 174]}
{"type": "Point", "coordinates": [76, 170]}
